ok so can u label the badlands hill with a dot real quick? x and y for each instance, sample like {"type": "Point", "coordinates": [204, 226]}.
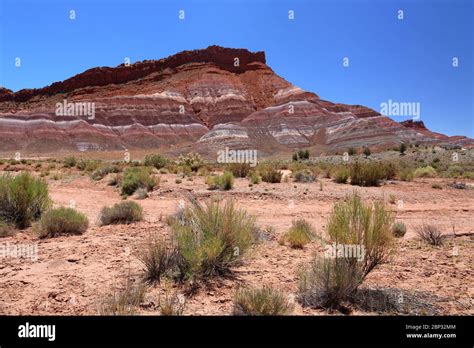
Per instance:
{"type": "Point", "coordinates": [204, 100]}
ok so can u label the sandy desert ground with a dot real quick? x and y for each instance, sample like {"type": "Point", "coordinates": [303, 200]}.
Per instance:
{"type": "Point", "coordinates": [73, 273]}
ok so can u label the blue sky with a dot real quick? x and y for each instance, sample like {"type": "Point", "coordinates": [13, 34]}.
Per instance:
{"type": "Point", "coordinates": [407, 60]}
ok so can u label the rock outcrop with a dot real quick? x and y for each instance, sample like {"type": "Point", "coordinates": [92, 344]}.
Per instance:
{"type": "Point", "coordinates": [206, 99]}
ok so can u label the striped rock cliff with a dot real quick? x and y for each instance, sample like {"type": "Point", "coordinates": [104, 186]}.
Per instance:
{"type": "Point", "coordinates": [204, 99]}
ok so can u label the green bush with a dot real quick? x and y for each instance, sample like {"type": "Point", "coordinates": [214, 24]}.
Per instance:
{"type": "Point", "coordinates": [270, 174]}
{"type": "Point", "coordinates": [222, 182]}
{"type": "Point", "coordinates": [425, 172]}
{"type": "Point", "coordinates": [157, 259]}
{"type": "Point", "coordinates": [87, 165]}
{"type": "Point", "coordinates": [300, 233]}
{"type": "Point", "coordinates": [399, 229]}
{"type": "Point", "coordinates": [341, 176]}
{"type": "Point", "coordinates": [366, 174]}
{"type": "Point", "coordinates": [101, 172]}
{"type": "Point", "coordinates": [156, 161]}
{"type": "Point", "coordinates": [123, 301]}
{"type": "Point", "coordinates": [61, 221]}
{"type": "Point", "coordinates": [121, 213]}
{"type": "Point", "coordinates": [263, 301]}
{"type": "Point", "coordinates": [239, 170]}
{"type": "Point", "coordinates": [406, 175]}
{"type": "Point", "coordinates": [333, 279]}
{"type": "Point", "coordinates": [211, 239]}
{"type": "Point", "coordinates": [192, 160]}
{"type": "Point", "coordinates": [135, 178]}
{"type": "Point", "coordinates": [304, 175]}
{"type": "Point", "coordinates": [254, 178]}
{"type": "Point", "coordinates": [23, 199]}
{"type": "Point", "coordinates": [6, 229]}
{"type": "Point", "coordinates": [70, 162]}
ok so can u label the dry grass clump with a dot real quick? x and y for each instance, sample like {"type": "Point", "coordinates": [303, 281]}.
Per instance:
{"type": "Point", "coordinates": [23, 198]}
{"type": "Point", "coordinates": [135, 178]}
{"type": "Point", "coordinates": [222, 182]}
{"type": "Point", "coordinates": [399, 229]}
{"type": "Point", "coordinates": [430, 234]}
{"type": "Point", "coordinates": [300, 233]}
{"type": "Point", "coordinates": [361, 239]}
{"type": "Point", "coordinates": [211, 238]}
{"type": "Point", "coordinates": [261, 301]}
{"type": "Point", "coordinates": [62, 221]}
{"type": "Point", "coordinates": [121, 213]}
{"type": "Point", "coordinates": [123, 301]}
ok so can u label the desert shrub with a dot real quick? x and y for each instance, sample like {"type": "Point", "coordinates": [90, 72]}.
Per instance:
{"type": "Point", "coordinates": [23, 199]}
{"type": "Point", "coordinates": [389, 170]}
{"type": "Point", "coordinates": [6, 229]}
{"type": "Point", "coordinates": [203, 171]}
{"type": "Point", "coordinates": [115, 180]}
{"type": "Point", "coordinates": [351, 151]}
{"type": "Point", "coordinates": [192, 160]}
{"type": "Point", "coordinates": [341, 176]}
{"type": "Point", "coordinates": [430, 234]}
{"type": "Point", "coordinates": [156, 161]}
{"type": "Point", "coordinates": [239, 170]}
{"type": "Point", "coordinates": [425, 172]}
{"type": "Point", "coordinates": [123, 301]}
{"type": "Point", "coordinates": [399, 229]}
{"type": "Point", "coordinates": [261, 301]}
{"type": "Point", "coordinates": [366, 174]}
{"type": "Point", "coordinates": [254, 178]}
{"type": "Point", "coordinates": [300, 155]}
{"type": "Point", "coordinates": [367, 152]}
{"type": "Point", "coordinates": [137, 177]}
{"type": "Point", "coordinates": [402, 148]}
{"type": "Point", "coordinates": [392, 199]}
{"type": "Point", "coordinates": [334, 278]}
{"type": "Point", "coordinates": [171, 303]}
{"type": "Point", "coordinates": [70, 162]}
{"type": "Point", "coordinates": [61, 221]}
{"type": "Point", "coordinates": [184, 171]}
{"type": "Point", "coordinates": [300, 233]}
{"type": "Point", "coordinates": [101, 172]}
{"type": "Point", "coordinates": [87, 165]}
{"type": "Point", "coordinates": [270, 174]}
{"type": "Point", "coordinates": [211, 238]}
{"type": "Point", "coordinates": [157, 259]}
{"type": "Point", "coordinates": [454, 171]}
{"type": "Point", "coordinates": [406, 175]}
{"type": "Point", "coordinates": [141, 193]}
{"type": "Point", "coordinates": [121, 213]}
{"type": "Point", "coordinates": [222, 182]}
{"type": "Point", "coordinates": [304, 175]}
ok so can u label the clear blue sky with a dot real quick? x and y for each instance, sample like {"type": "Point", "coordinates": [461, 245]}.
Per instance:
{"type": "Point", "coordinates": [407, 60]}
